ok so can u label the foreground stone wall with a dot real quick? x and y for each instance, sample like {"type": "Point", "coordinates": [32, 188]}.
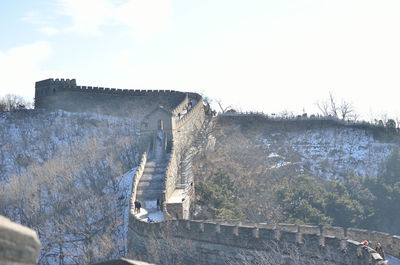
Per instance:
{"type": "Point", "coordinates": [19, 245]}
{"type": "Point", "coordinates": [200, 242]}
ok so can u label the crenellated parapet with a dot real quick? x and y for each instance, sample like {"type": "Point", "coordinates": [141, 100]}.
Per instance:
{"type": "Point", "coordinates": [323, 245]}
{"type": "Point", "coordinates": [186, 129]}
{"type": "Point", "coordinates": [65, 94]}
{"type": "Point", "coordinates": [51, 86]}
{"type": "Point", "coordinates": [193, 113]}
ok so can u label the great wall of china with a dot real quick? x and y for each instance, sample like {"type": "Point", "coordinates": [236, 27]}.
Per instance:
{"type": "Point", "coordinates": [180, 117]}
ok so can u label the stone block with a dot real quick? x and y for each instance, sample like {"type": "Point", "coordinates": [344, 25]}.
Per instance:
{"type": "Point", "coordinates": [395, 251]}
{"type": "Point", "coordinates": [288, 237]}
{"type": "Point", "coordinates": [333, 243]}
{"type": "Point", "coordinates": [311, 241]}
{"type": "Point", "coordinates": [267, 234]}
{"type": "Point", "coordinates": [123, 261]}
{"type": "Point", "coordinates": [384, 238]}
{"type": "Point", "coordinates": [308, 229]}
{"type": "Point", "coordinates": [18, 243]}
{"type": "Point", "coordinates": [288, 227]}
{"type": "Point", "coordinates": [358, 234]}
{"type": "Point", "coordinates": [333, 231]}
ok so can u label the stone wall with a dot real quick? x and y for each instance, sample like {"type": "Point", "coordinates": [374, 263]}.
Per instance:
{"type": "Point", "coordinates": [202, 242]}
{"type": "Point", "coordinates": [181, 131]}
{"type": "Point", "coordinates": [205, 242]}
{"type": "Point", "coordinates": [19, 245]}
{"type": "Point", "coordinates": [390, 243]}
{"type": "Point", "coordinates": [65, 94]}
{"type": "Point", "coordinates": [185, 132]}
{"type": "Point", "coordinates": [136, 180]}
{"type": "Point", "coordinates": [181, 107]}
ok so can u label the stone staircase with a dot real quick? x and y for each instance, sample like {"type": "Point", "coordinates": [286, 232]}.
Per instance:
{"type": "Point", "coordinates": [151, 185]}
{"type": "Point", "coordinates": [152, 182]}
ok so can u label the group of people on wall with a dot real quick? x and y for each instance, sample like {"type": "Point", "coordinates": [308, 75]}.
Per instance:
{"type": "Point", "coordinates": [378, 248]}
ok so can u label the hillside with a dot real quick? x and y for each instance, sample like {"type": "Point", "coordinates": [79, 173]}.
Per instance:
{"type": "Point", "coordinates": [79, 167]}
{"type": "Point", "coordinates": [62, 174]}
{"type": "Point", "coordinates": [29, 137]}
{"type": "Point", "coordinates": [261, 156]}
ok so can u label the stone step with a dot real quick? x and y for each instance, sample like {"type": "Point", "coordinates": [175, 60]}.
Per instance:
{"type": "Point", "coordinates": [142, 190]}
{"type": "Point", "coordinates": [180, 186]}
{"type": "Point", "coordinates": [150, 177]}
{"type": "Point", "coordinates": [154, 184]}
{"type": "Point", "coordinates": [153, 170]}
{"type": "Point", "coordinates": [159, 163]}
{"type": "Point", "coordinates": [150, 205]}
{"type": "Point", "coordinates": [149, 195]}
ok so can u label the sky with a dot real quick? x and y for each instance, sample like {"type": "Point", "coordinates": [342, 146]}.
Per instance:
{"type": "Point", "coordinates": [254, 55]}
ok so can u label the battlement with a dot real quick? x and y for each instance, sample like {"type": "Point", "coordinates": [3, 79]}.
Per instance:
{"type": "Point", "coordinates": [18, 244]}
{"type": "Point", "coordinates": [326, 243]}
{"type": "Point", "coordinates": [49, 86]}
{"type": "Point", "coordinates": [65, 94]}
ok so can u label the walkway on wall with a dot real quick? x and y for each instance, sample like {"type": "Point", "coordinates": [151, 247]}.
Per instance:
{"type": "Point", "coordinates": [186, 109]}
{"type": "Point", "coordinates": [151, 185]}
{"type": "Point", "coordinates": [392, 260]}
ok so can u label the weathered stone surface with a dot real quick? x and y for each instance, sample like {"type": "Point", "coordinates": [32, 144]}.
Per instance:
{"type": "Point", "coordinates": [18, 244]}
{"type": "Point", "coordinates": [123, 261]}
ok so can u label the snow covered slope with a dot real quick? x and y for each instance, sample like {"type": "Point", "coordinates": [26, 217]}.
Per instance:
{"type": "Point", "coordinates": [29, 137]}
{"type": "Point", "coordinates": [326, 152]}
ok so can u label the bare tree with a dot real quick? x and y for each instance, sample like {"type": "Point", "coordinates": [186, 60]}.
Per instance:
{"type": "Point", "coordinates": [333, 108]}
{"type": "Point", "coordinates": [223, 109]}
{"type": "Point", "coordinates": [323, 106]}
{"type": "Point", "coordinates": [346, 109]}
{"type": "Point", "coordinates": [3, 105]}
{"type": "Point", "coordinates": [397, 119]}
{"type": "Point", "coordinates": [330, 108]}
{"type": "Point", "coordinates": [12, 102]}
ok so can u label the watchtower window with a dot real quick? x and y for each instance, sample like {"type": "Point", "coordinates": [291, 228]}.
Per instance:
{"type": "Point", "coordinates": [160, 125]}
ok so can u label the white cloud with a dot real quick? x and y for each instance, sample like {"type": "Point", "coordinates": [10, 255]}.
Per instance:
{"type": "Point", "coordinates": [20, 68]}
{"type": "Point", "coordinates": [87, 16]}
{"type": "Point", "coordinates": [124, 62]}
{"type": "Point", "coordinates": [42, 21]}
{"type": "Point", "coordinates": [143, 17]}
{"type": "Point", "coordinates": [34, 17]}
{"type": "Point", "coordinates": [49, 31]}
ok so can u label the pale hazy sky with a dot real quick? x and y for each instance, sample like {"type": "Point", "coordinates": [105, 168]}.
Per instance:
{"type": "Point", "coordinates": [256, 55]}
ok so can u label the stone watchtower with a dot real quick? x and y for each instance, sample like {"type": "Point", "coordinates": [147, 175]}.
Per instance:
{"type": "Point", "coordinates": [47, 91]}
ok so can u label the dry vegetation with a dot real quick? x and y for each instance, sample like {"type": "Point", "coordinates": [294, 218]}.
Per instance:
{"type": "Point", "coordinates": [71, 190]}
{"type": "Point", "coordinates": [261, 157]}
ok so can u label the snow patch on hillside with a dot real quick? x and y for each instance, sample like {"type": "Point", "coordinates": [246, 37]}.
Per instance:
{"type": "Point", "coordinates": [35, 136]}
{"type": "Point", "coordinates": [328, 152]}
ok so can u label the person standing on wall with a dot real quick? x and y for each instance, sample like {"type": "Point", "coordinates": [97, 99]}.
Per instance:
{"type": "Point", "coordinates": [380, 251]}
